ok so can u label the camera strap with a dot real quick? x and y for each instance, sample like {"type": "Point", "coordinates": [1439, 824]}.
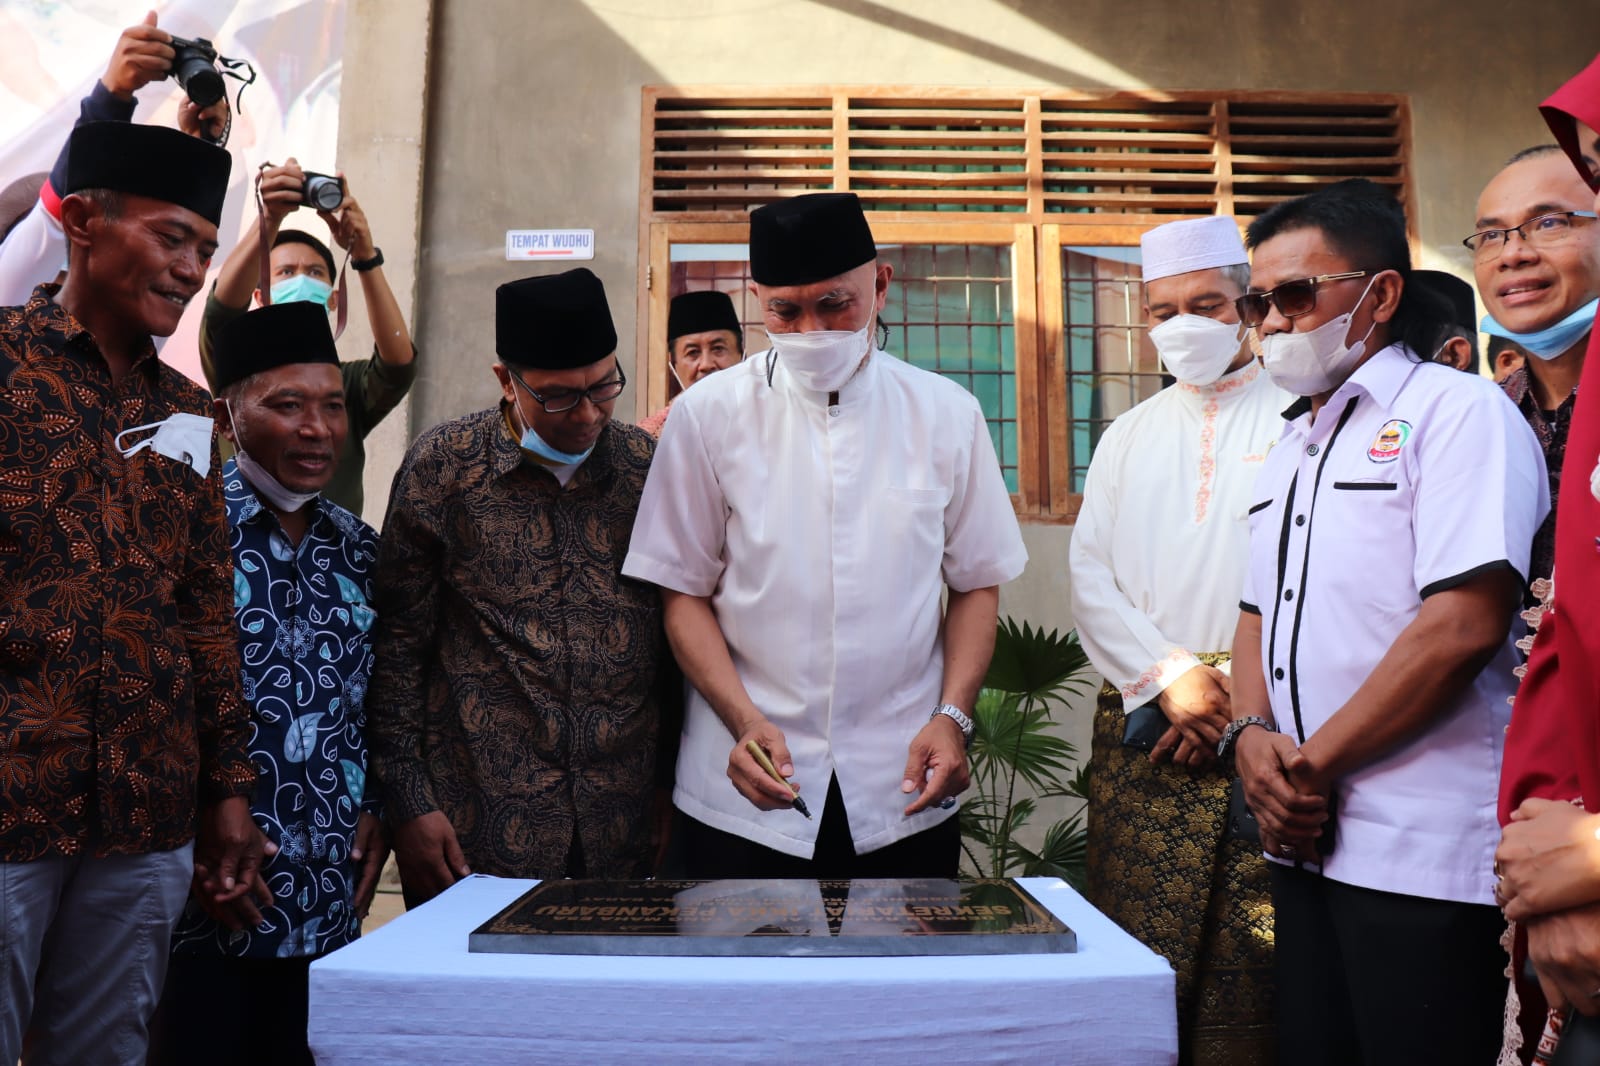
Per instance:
{"type": "Point", "coordinates": [264, 264]}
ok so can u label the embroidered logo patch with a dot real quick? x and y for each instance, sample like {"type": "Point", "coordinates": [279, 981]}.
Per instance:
{"type": "Point", "coordinates": [1391, 438]}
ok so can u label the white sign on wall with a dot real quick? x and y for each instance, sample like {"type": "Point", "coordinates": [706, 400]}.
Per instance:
{"type": "Point", "coordinates": [524, 244]}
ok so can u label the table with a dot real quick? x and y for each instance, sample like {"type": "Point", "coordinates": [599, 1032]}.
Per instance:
{"type": "Point", "coordinates": [412, 993]}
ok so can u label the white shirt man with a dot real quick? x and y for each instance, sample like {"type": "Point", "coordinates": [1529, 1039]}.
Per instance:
{"type": "Point", "coordinates": [1385, 571]}
{"type": "Point", "coordinates": [804, 513]}
{"type": "Point", "coordinates": [1158, 557]}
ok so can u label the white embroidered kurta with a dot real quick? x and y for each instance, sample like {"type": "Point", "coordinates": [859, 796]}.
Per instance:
{"type": "Point", "coordinates": [824, 537]}
{"type": "Point", "coordinates": [1161, 546]}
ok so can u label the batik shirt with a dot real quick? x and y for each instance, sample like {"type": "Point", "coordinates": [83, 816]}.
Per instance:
{"type": "Point", "coordinates": [520, 676]}
{"type": "Point", "coordinates": [305, 623]}
{"type": "Point", "coordinates": [119, 672]}
{"type": "Point", "coordinates": [1552, 434]}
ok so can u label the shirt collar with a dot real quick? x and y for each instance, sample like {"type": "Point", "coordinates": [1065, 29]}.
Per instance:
{"type": "Point", "coordinates": [1380, 377]}
{"type": "Point", "coordinates": [506, 454]}
{"type": "Point", "coordinates": [245, 507]}
{"type": "Point", "coordinates": [45, 315]}
{"type": "Point", "coordinates": [1232, 382]}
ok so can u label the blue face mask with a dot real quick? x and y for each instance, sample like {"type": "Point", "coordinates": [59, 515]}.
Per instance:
{"type": "Point", "coordinates": [301, 287]}
{"type": "Point", "coordinates": [538, 447]}
{"type": "Point", "coordinates": [1551, 341]}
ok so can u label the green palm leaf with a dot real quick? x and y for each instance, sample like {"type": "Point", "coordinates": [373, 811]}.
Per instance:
{"type": "Point", "coordinates": [1013, 740]}
{"type": "Point", "coordinates": [1031, 662]}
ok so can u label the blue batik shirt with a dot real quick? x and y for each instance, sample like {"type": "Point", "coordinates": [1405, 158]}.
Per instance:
{"type": "Point", "coordinates": [305, 627]}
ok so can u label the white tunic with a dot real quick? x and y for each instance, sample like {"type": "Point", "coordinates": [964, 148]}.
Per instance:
{"type": "Point", "coordinates": [1414, 479]}
{"type": "Point", "coordinates": [1161, 544]}
{"type": "Point", "coordinates": [824, 537]}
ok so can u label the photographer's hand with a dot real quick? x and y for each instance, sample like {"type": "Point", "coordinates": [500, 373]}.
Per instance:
{"type": "Point", "coordinates": [349, 227]}
{"type": "Point", "coordinates": [282, 192]}
{"type": "Point", "coordinates": [143, 54]}
{"type": "Point", "coordinates": [206, 123]}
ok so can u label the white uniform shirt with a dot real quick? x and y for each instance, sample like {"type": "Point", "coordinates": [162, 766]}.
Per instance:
{"type": "Point", "coordinates": [1414, 479]}
{"type": "Point", "coordinates": [1159, 550]}
{"type": "Point", "coordinates": [824, 537]}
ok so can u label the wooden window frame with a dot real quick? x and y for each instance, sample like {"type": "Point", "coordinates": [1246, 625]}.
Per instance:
{"type": "Point", "coordinates": [1065, 168]}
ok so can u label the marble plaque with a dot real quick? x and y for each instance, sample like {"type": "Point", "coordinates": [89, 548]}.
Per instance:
{"type": "Point", "coordinates": [903, 916]}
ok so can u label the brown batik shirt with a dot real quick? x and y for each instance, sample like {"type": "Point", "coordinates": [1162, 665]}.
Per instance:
{"type": "Point", "coordinates": [1552, 434]}
{"type": "Point", "coordinates": [518, 678]}
{"type": "Point", "coordinates": [119, 663]}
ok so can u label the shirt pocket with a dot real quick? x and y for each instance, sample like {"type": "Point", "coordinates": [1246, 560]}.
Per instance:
{"type": "Point", "coordinates": [913, 522]}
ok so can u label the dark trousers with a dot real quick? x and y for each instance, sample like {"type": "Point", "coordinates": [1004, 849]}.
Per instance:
{"type": "Point", "coordinates": [712, 854]}
{"type": "Point", "coordinates": [1368, 978]}
{"type": "Point", "coordinates": [245, 1012]}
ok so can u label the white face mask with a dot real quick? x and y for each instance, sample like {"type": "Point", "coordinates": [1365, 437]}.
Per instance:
{"type": "Point", "coordinates": [1196, 350]}
{"type": "Point", "coordinates": [1319, 360]}
{"type": "Point", "coordinates": [182, 436]}
{"type": "Point", "coordinates": [823, 360]}
{"type": "Point", "coordinates": [264, 483]}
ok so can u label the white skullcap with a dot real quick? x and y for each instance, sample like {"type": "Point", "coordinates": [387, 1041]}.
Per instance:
{"type": "Point", "coordinates": [1193, 244]}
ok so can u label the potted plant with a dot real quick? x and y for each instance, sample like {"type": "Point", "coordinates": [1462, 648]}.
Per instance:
{"type": "Point", "coordinates": [1032, 674]}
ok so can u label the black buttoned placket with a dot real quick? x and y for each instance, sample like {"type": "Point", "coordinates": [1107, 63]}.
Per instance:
{"type": "Point", "coordinates": [1294, 543]}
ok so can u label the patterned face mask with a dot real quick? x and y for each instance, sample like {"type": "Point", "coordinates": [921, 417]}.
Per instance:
{"type": "Point", "coordinates": [182, 437]}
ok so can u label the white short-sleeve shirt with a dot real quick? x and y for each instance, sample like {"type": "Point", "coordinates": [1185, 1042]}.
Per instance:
{"type": "Point", "coordinates": [824, 537]}
{"type": "Point", "coordinates": [1414, 478]}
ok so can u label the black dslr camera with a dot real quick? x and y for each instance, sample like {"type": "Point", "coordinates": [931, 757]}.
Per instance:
{"type": "Point", "coordinates": [194, 67]}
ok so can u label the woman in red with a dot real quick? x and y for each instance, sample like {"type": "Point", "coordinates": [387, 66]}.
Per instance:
{"type": "Point", "coordinates": [1549, 856]}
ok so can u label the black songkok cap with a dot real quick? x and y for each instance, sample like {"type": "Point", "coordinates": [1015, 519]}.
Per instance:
{"type": "Point", "coordinates": [1456, 293]}
{"type": "Point", "coordinates": [553, 321]}
{"type": "Point", "coordinates": [154, 161]}
{"type": "Point", "coordinates": [809, 238]}
{"type": "Point", "coordinates": [702, 312]}
{"type": "Point", "coordinates": [270, 337]}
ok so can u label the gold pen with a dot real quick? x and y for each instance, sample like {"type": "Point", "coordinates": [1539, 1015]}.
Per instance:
{"type": "Point", "coordinates": [760, 756]}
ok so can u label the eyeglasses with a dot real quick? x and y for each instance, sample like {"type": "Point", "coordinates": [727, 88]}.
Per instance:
{"type": "Point", "coordinates": [1292, 298]}
{"type": "Point", "coordinates": [558, 401]}
{"type": "Point", "coordinates": [1538, 231]}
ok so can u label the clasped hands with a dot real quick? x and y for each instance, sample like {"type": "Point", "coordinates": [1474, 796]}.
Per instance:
{"type": "Point", "coordinates": [230, 854]}
{"type": "Point", "coordinates": [1197, 704]}
{"type": "Point", "coordinates": [1548, 879]}
{"type": "Point", "coordinates": [936, 765]}
{"type": "Point", "coordinates": [1286, 793]}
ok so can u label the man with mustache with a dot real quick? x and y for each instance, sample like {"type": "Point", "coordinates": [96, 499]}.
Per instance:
{"type": "Point", "coordinates": [120, 699]}
{"type": "Point", "coordinates": [520, 680]}
{"type": "Point", "coordinates": [704, 335]}
{"type": "Point", "coordinates": [302, 583]}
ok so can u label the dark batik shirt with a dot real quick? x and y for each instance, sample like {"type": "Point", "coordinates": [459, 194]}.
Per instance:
{"type": "Point", "coordinates": [517, 673]}
{"type": "Point", "coordinates": [1553, 440]}
{"type": "Point", "coordinates": [304, 620]}
{"type": "Point", "coordinates": [119, 667]}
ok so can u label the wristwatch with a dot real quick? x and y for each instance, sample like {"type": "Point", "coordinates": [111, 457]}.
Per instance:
{"type": "Point", "coordinates": [1230, 735]}
{"type": "Point", "coordinates": [361, 266]}
{"type": "Point", "coordinates": [959, 717]}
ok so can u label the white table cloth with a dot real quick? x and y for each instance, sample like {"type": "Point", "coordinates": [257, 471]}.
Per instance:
{"type": "Point", "coordinates": [412, 993]}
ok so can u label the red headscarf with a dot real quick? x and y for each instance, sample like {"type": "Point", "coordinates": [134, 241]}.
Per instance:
{"type": "Point", "coordinates": [1553, 746]}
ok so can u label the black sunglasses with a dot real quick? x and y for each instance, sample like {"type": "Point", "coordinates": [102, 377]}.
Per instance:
{"type": "Point", "coordinates": [1292, 298]}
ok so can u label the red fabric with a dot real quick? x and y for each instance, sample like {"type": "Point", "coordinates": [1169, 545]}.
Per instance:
{"type": "Point", "coordinates": [1553, 745]}
{"type": "Point", "coordinates": [51, 201]}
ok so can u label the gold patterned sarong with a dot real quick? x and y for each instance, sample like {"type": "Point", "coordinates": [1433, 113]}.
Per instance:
{"type": "Point", "coordinates": [1162, 867]}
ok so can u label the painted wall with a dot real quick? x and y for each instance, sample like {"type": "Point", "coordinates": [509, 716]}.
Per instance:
{"type": "Point", "coordinates": [532, 119]}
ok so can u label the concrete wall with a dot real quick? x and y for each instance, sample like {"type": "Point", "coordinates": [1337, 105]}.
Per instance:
{"type": "Point", "coordinates": [532, 120]}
